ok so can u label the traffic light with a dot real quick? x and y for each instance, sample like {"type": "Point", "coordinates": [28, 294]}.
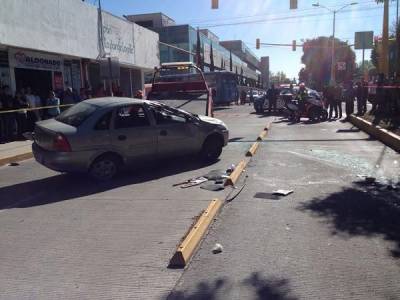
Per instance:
{"type": "Point", "coordinates": [257, 43]}
{"type": "Point", "coordinates": [294, 45]}
{"type": "Point", "coordinates": [293, 4]}
{"type": "Point", "coordinates": [214, 4]}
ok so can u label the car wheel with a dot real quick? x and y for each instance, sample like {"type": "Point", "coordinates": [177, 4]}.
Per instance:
{"type": "Point", "coordinates": [212, 149]}
{"type": "Point", "coordinates": [105, 167]}
{"type": "Point", "coordinates": [324, 115]}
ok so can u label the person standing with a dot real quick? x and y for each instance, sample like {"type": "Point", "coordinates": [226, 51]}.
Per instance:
{"type": "Point", "coordinates": [338, 96]}
{"type": "Point", "coordinates": [272, 96]}
{"type": "Point", "coordinates": [330, 99]}
{"type": "Point", "coordinates": [20, 103]}
{"type": "Point", "coordinates": [33, 115]}
{"type": "Point", "coordinates": [349, 99]}
{"type": "Point", "coordinates": [8, 118]}
{"type": "Point", "coordinates": [53, 101]}
{"type": "Point", "coordinates": [361, 101]}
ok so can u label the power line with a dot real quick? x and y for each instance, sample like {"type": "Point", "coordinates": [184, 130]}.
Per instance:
{"type": "Point", "coordinates": [283, 18]}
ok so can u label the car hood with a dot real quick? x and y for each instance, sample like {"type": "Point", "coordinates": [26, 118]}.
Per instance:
{"type": "Point", "coordinates": [211, 120]}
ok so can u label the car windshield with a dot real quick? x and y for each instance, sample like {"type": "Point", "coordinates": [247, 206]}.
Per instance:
{"type": "Point", "coordinates": [77, 114]}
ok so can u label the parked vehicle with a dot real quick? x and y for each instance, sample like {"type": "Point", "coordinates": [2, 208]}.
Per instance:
{"type": "Point", "coordinates": [101, 136]}
{"type": "Point", "coordinates": [313, 109]}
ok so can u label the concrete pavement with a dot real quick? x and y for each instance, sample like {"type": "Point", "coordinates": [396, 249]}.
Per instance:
{"type": "Point", "coordinates": [67, 237]}
{"type": "Point", "coordinates": [333, 238]}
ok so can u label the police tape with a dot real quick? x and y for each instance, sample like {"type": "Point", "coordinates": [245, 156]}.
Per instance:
{"type": "Point", "coordinates": [23, 110]}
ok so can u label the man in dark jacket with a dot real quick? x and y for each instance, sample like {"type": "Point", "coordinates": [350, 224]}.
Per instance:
{"type": "Point", "coordinates": [272, 96]}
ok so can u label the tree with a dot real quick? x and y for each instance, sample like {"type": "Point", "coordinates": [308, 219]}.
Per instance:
{"type": "Point", "coordinates": [317, 60]}
{"type": "Point", "coordinates": [368, 67]}
{"type": "Point", "coordinates": [279, 78]}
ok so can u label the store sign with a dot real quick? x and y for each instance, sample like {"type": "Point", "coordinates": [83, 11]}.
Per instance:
{"type": "Point", "coordinates": [341, 66]}
{"type": "Point", "coordinates": [118, 38]}
{"type": "Point", "coordinates": [34, 60]}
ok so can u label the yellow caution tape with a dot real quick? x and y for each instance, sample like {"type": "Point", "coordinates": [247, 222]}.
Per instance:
{"type": "Point", "coordinates": [33, 108]}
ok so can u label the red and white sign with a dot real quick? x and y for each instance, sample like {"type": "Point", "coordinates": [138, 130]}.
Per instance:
{"type": "Point", "coordinates": [341, 66]}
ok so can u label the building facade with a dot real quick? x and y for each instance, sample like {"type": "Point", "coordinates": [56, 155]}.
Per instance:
{"type": "Point", "coordinates": [54, 44]}
{"type": "Point", "coordinates": [185, 37]}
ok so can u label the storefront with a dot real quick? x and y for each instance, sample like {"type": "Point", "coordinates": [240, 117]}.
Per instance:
{"type": "Point", "coordinates": [41, 72]}
{"type": "Point", "coordinates": [65, 51]}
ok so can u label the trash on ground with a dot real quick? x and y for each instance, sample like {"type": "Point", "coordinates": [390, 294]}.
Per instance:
{"type": "Point", "coordinates": [216, 174]}
{"type": "Point", "coordinates": [189, 181]}
{"type": "Point", "coordinates": [282, 192]}
{"type": "Point", "coordinates": [13, 164]}
{"type": "Point", "coordinates": [194, 182]}
{"type": "Point", "coordinates": [217, 248]}
{"type": "Point", "coordinates": [231, 169]}
{"type": "Point", "coordinates": [212, 187]}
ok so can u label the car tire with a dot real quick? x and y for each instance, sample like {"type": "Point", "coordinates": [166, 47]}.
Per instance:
{"type": "Point", "coordinates": [212, 149]}
{"type": "Point", "coordinates": [324, 115]}
{"type": "Point", "coordinates": [105, 167]}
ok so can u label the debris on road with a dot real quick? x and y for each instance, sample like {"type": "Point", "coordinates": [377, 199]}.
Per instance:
{"type": "Point", "coordinates": [13, 164]}
{"type": "Point", "coordinates": [194, 182]}
{"type": "Point", "coordinates": [282, 192]}
{"type": "Point", "coordinates": [216, 175]}
{"type": "Point", "coordinates": [269, 196]}
{"type": "Point", "coordinates": [213, 187]}
{"type": "Point", "coordinates": [217, 248]}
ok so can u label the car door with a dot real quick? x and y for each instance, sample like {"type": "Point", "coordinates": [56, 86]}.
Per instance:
{"type": "Point", "coordinates": [133, 133]}
{"type": "Point", "coordinates": [177, 135]}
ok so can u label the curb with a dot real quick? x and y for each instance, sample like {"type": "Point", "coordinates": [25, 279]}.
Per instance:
{"type": "Point", "coordinates": [234, 177]}
{"type": "Point", "coordinates": [188, 246]}
{"type": "Point", "coordinates": [262, 135]}
{"type": "Point", "coordinates": [385, 136]}
{"type": "Point", "coordinates": [15, 158]}
{"type": "Point", "coordinates": [253, 149]}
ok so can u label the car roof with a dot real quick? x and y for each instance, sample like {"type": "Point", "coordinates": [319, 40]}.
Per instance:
{"type": "Point", "coordinates": [114, 101]}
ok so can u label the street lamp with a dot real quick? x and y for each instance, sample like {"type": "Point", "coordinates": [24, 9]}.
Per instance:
{"type": "Point", "coordinates": [334, 11]}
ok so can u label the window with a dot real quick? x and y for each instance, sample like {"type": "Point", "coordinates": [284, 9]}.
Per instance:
{"type": "Point", "coordinates": [77, 114]}
{"type": "Point", "coordinates": [104, 122]}
{"type": "Point", "coordinates": [164, 116]}
{"type": "Point", "coordinates": [131, 116]}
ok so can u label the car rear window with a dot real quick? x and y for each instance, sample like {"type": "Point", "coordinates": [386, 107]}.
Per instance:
{"type": "Point", "coordinates": [77, 114]}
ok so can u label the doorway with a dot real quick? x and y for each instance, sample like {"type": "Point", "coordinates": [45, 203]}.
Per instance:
{"type": "Point", "coordinates": [40, 81]}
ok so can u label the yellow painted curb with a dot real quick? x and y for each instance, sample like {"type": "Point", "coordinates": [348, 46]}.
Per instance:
{"type": "Point", "coordinates": [186, 249]}
{"type": "Point", "coordinates": [231, 180]}
{"type": "Point", "coordinates": [15, 158]}
{"type": "Point", "coordinates": [253, 149]}
{"type": "Point", "coordinates": [385, 136]}
{"type": "Point", "coordinates": [262, 135]}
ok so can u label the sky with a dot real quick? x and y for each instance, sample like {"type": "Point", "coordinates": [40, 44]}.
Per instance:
{"type": "Point", "coordinates": [269, 20]}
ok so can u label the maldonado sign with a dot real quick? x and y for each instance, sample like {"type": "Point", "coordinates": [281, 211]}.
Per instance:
{"type": "Point", "coordinates": [34, 60]}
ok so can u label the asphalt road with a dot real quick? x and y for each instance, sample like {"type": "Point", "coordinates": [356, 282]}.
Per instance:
{"type": "Point", "coordinates": [66, 237]}
{"type": "Point", "coordinates": [334, 237]}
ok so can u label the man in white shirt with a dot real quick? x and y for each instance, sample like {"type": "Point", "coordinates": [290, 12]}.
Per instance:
{"type": "Point", "coordinates": [33, 115]}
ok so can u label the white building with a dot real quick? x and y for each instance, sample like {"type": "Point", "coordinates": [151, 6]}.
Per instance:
{"type": "Point", "coordinates": [52, 44]}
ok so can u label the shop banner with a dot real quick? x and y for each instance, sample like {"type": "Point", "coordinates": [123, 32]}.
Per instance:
{"type": "Point", "coordinates": [34, 60]}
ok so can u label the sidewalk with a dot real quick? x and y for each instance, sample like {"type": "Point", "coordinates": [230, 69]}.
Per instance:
{"type": "Point", "coordinates": [15, 151]}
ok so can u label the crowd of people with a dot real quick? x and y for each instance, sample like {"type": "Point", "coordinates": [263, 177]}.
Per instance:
{"type": "Point", "coordinates": [20, 112]}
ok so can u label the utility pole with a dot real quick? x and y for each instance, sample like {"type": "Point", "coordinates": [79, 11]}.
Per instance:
{"type": "Point", "coordinates": [334, 11]}
{"type": "Point", "coordinates": [385, 40]}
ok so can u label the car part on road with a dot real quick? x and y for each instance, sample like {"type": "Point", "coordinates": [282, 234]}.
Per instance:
{"type": "Point", "coordinates": [282, 192]}
{"type": "Point", "coordinates": [13, 164]}
{"type": "Point", "coordinates": [217, 248]}
{"type": "Point", "coordinates": [213, 187]}
{"type": "Point", "coordinates": [216, 175]}
{"type": "Point", "coordinates": [194, 182]}
{"type": "Point", "coordinates": [269, 196]}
